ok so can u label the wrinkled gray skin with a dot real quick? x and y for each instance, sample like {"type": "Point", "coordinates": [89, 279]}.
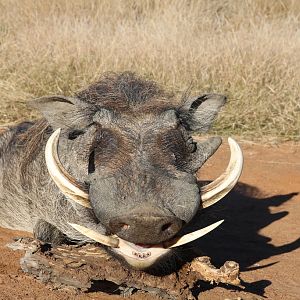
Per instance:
{"type": "Point", "coordinates": [130, 147]}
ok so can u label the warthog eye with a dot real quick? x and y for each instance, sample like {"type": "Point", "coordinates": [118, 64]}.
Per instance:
{"type": "Point", "coordinates": [91, 168]}
{"type": "Point", "coordinates": [74, 134]}
{"type": "Point", "coordinates": [191, 145]}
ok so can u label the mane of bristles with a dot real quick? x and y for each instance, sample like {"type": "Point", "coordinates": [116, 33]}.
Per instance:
{"type": "Point", "coordinates": [125, 91]}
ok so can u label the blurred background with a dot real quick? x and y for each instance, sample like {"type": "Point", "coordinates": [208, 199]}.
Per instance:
{"type": "Point", "coordinates": [246, 49]}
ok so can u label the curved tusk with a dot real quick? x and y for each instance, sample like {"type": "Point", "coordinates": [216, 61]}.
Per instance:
{"type": "Point", "coordinates": [98, 237]}
{"type": "Point", "coordinates": [216, 190]}
{"type": "Point", "coordinates": [196, 234]}
{"type": "Point", "coordinates": [65, 182]}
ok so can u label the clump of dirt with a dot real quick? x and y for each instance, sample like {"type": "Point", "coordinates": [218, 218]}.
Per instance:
{"type": "Point", "coordinates": [81, 266]}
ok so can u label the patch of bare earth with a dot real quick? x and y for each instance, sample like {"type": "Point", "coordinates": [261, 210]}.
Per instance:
{"type": "Point", "coordinates": [261, 232]}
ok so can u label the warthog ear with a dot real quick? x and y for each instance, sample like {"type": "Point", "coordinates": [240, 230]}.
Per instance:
{"type": "Point", "coordinates": [61, 112]}
{"type": "Point", "coordinates": [197, 114]}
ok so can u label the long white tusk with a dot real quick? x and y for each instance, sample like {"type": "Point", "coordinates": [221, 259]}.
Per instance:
{"type": "Point", "coordinates": [98, 237]}
{"type": "Point", "coordinates": [65, 182]}
{"type": "Point", "coordinates": [216, 190]}
{"type": "Point", "coordinates": [196, 234]}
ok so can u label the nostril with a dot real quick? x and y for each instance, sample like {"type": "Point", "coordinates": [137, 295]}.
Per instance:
{"type": "Point", "coordinates": [166, 226]}
{"type": "Point", "coordinates": [145, 228]}
{"type": "Point", "coordinates": [117, 226]}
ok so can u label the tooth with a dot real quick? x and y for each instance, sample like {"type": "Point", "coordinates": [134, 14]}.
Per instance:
{"type": "Point", "coordinates": [216, 190]}
{"type": "Point", "coordinates": [98, 237]}
{"type": "Point", "coordinates": [195, 235]}
{"type": "Point", "coordinates": [65, 182]}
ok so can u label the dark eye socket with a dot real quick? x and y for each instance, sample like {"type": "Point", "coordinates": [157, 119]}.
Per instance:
{"type": "Point", "coordinates": [176, 141]}
{"type": "Point", "coordinates": [75, 134]}
{"type": "Point", "coordinates": [91, 167]}
{"type": "Point", "coordinates": [105, 151]}
{"type": "Point", "coordinates": [191, 145]}
{"type": "Point", "coordinates": [178, 146]}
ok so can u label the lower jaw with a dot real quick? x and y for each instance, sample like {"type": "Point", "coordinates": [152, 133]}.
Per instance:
{"type": "Point", "coordinates": [140, 258]}
{"type": "Point", "coordinates": [138, 264]}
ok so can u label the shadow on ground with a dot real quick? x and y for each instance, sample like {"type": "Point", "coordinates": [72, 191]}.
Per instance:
{"type": "Point", "coordinates": [245, 212]}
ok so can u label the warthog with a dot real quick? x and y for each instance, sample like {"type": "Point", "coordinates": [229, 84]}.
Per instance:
{"type": "Point", "coordinates": [114, 164]}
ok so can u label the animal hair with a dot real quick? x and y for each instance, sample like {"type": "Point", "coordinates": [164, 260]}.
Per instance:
{"type": "Point", "coordinates": [124, 92]}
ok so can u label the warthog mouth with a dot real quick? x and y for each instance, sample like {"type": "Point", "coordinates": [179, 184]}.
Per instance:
{"type": "Point", "coordinates": [141, 256]}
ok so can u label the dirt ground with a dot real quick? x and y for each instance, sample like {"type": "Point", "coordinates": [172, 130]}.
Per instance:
{"type": "Point", "coordinates": [261, 231]}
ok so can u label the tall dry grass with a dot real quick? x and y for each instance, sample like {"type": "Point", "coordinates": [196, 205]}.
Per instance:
{"type": "Point", "coordinates": [247, 49]}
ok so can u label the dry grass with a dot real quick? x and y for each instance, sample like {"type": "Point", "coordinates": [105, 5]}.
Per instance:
{"type": "Point", "coordinates": [247, 49]}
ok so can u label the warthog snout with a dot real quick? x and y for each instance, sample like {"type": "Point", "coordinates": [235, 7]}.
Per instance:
{"type": "Point", "coordinates": [144, 228]}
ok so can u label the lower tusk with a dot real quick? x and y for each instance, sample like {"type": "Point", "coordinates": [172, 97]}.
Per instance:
{"type": "Point", "coordinates": [98, 237]}
{"type": "Point", "coordinates": [216, 190]}
{"type": "Point", "coordinates": [195, 235]}
{"type": "Point", "coordinates": [65, 182]}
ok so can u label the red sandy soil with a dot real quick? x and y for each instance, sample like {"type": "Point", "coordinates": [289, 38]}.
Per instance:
{"type": "Point", "coordinates": [261, 231]}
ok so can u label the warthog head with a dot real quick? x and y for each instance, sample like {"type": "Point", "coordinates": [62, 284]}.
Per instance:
{"type": "Point", "coordinates": [133, 162]}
